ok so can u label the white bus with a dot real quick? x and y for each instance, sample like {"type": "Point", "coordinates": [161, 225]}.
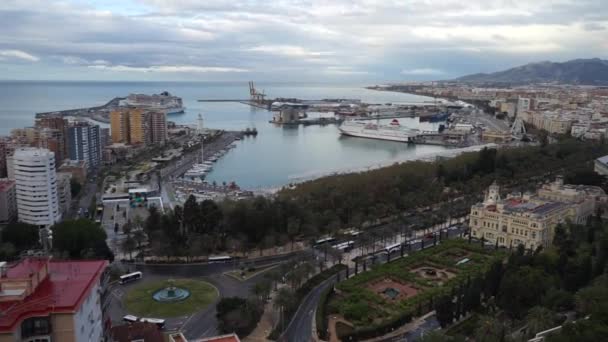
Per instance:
{"type": "Point", "coordinates": [215, 259]}
{"type": "Point", "coordinates": [160, 323]}
{"type": "Point", "coordinates": [130, 277]}
{"type": "Point", "coordinates": [344, 246]}
{"type": "Point", "coordinates": [130, 319]}
{"type": "Point", "coordinates": [392, 248]}
{"type": "Point", "coordinates": [325, 240]}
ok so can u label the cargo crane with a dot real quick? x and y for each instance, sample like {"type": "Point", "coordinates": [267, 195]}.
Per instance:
{"type": "Point", "coordinates": [255, 96]}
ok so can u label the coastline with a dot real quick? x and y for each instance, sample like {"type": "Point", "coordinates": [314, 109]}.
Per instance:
{"type": "Point", "coordinates": [295, 180]}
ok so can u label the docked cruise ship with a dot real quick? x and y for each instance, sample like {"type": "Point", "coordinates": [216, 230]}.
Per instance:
{"type": "Point", "coordinates": [393, 132]}
{"type": "Point", "coordinates": [164, 102]}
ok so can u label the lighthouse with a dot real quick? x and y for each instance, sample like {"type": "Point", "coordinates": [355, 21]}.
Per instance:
{"type": "Point", "coordinates": [199, 124]}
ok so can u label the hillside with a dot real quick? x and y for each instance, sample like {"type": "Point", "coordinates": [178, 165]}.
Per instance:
{"type": "Point", "coordinates": [578, 71]}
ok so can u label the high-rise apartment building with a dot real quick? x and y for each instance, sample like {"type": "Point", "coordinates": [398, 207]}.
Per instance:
{"type": "Point", "coordinates": [104, 137]}
{"type": "Point", "coordinates": [8, 201]}
{"type": "Point", "coordinates": [50, 138]}
{"type": "Point", "coordinates": [59, 123]}
{"type": "Point", "coordinates": [84, 144]}
{"type": "Point", "coordinates": [119, 126]}
{"type": "Point", "coordinates": [158, 127]}
{"type": "Point", "coordinates": [3, 153]}
{"type": "Point", "coordinates": [36, 182]}
{"type": "Point", "coordinates": [139, 127]}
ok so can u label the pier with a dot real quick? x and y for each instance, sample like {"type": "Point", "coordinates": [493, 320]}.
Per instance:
{"type": "Point", "coordinates": [95, 113]}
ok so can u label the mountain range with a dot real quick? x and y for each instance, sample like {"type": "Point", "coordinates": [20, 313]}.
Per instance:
{"type": "Point", "coordinates": [592, 71]}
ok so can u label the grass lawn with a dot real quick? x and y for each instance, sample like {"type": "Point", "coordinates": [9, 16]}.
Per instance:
{"type": "Point", "coordinates": [139, 300]}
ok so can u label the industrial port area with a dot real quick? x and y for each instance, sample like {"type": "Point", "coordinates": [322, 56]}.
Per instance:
{"type": "Point", "coordinates": [176, 166]}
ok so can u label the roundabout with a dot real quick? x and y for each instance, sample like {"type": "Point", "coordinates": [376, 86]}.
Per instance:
{"type": "Point", "coordinates": [165, 299]}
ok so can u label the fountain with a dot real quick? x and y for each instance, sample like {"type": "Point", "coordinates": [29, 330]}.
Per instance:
{"type": "Point", "coordinates": [171, 293]}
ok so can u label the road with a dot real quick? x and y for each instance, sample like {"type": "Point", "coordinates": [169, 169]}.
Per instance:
{"type": "Point", "coordinates": [203, 323]}
{"type": "Point", "coordinates": [300, 327]}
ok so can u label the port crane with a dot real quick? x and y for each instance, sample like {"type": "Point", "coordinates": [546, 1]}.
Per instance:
{"type": "Point", "coordinates": [255, 95]}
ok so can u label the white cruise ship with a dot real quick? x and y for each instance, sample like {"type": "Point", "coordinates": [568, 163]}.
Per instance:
{"type": "Point", "coordinates": [393, 132]}
{"type": "Point", "coordinates": [164, 101]}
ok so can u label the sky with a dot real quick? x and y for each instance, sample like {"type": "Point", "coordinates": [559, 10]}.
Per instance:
{"type": "Point", "coordinates": [291, 40]}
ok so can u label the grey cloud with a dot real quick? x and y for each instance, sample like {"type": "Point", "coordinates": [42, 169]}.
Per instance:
{"type": "Point", "coordinates": [305, 37]}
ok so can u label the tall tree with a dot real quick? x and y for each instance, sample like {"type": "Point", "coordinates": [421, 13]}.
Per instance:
{"type": "Point", "coordinates": [539, 319]}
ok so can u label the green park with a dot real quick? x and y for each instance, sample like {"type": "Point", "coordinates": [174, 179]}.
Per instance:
{"type": "Point", "coordinates": [171, 298]}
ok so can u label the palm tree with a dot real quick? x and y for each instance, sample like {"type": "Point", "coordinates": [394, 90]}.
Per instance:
{"type": "Point", "coordinates": [128, 245]}
{"type": "Point", "coordinates": [138, 222]}
{"type": "Point", "coordinates": [490, 329]}
{"type": "Point", "coordinates": [127, 228]}
{"type": "Point", "coordinates": [260, 290]}
{"type": "Point", "coordinates": [274, 276]}
{"type": "Point", "coordinates": [139, 236]}
{"type": "Point", "coordinates": [539, 319]}
{"type": "Point", "coordinates": [283, 302]}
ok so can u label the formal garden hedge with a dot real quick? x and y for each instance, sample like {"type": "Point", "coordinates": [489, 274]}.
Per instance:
{"type": "Point", "coordinates": [372, 315]}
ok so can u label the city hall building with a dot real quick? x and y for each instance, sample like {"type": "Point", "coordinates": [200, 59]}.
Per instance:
{"type": "Point", "coordinates": [530, 219]}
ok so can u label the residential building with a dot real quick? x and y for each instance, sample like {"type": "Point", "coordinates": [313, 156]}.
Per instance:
{"type": "Point", "coordinates": [523, 104]}
{"type": "Point", "coordinates": [158, 127]}
{"type": "Point", "coordinates": [8, 201]}
{"type": "Point", "coordinates": [496, 137]}
{"type": "Point", "coordinates": [48, 138]}
{"type": "Point", "coordinates": [139, 127]}
{"type": "Point", "coordinates": [77, 168]}
{"type": "Point", "coordinates": [59, 123]}
{"type": "Point", "coordinates": [84, 144]}
{"type": "Point", "coordinates": [104, 137]}
{"type": "Point", "coordinates": [47, 300]}
{"type": "Point", "coordinates": [64, 192]}
{"type": "Point", "coordinates": [36, 183]}
{"type": "Point", "coordinates": [530, 219]}
{"type": "Point", "coordinates": [119, 126]}
{"type": "Point", "coordinates": [3, 153]}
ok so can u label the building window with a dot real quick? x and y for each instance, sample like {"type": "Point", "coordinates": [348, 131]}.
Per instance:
{"type": "Point", "coordinates": [504, 228]}
{"type": "Point", "coordinates": [35, 326]}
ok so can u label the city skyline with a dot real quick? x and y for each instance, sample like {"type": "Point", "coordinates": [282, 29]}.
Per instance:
{"type": "Point", "coordinates": [290, 40]}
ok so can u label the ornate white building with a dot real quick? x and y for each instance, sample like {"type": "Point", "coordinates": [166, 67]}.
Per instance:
{"type": "Point", "coordinates": [530, 219]}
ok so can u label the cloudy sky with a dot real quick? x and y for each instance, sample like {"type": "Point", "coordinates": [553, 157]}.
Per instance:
{"type": "Point", "coordinates": [291, 40]}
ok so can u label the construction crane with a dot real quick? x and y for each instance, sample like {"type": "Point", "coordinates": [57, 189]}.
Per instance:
{"type": "Point", "coordinates": [255, 96]}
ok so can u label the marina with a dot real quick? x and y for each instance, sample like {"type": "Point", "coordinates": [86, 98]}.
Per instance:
{"type": "Point", "coordinates": [276, 156]}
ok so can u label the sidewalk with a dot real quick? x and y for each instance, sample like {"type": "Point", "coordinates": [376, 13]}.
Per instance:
{"type": "Point", "coordinates": [265, 325]}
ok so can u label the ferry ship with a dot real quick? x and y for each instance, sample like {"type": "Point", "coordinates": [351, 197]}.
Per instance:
{"type": "Point", "coordinates": [393, 132]}
{"type": "Point", "coordinates": [164, 102]}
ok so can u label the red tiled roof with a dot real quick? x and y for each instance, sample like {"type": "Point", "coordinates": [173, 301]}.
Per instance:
{"type": "Point", "coordinates": [25, 268]}
{"type": "Point", "coordinates": [62, 291]}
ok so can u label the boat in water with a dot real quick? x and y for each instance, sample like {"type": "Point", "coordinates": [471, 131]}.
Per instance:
{"type": "Point", "coordinates": [162, 102]}
{"type": "Point", "coordinates": [392, 132]}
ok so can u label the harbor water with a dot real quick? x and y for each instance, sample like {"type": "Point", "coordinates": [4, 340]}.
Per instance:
{"type": "Point", "coordinates": [278, 155]}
